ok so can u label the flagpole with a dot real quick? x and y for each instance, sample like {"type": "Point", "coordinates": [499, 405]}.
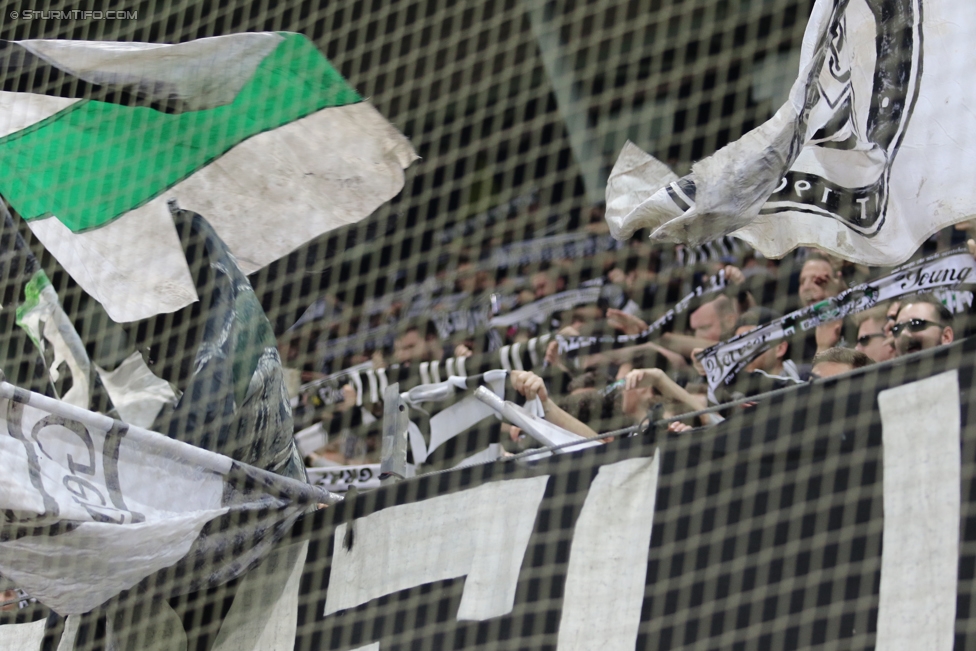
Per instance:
{"type": "Point", "coordinates": [170, 447]}
{"type": "Point", "coordinates": [530, 423]}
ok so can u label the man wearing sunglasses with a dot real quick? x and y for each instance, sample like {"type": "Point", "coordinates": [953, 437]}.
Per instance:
{"type": "Point", "coordinates": [923, 322]}
{"type": "Point", "coordinates": [872, 340]}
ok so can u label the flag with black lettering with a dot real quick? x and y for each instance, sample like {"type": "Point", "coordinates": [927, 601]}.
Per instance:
{"type": "Point", "coordinates": [860, 161]}
{"type": "Point", "coordinates": [93, 506]}
{"type": "Point", "coordinates": [834, 515]}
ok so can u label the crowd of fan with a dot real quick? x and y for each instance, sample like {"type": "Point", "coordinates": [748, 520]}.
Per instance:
{"type": "Point", "coordinates": [619, 387]}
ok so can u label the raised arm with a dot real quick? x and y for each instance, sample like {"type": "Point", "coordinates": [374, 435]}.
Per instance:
{"type": "Point", "coordinates": [531, 386]}
{"type": "Point", "coordinates": [627, 353]}
{"type": "Point", "coordinates": [684, 344]}
{"type": "Point", "coordinates": [665, 386]}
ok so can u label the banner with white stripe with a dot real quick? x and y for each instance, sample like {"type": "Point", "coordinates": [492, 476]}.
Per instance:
{"type": "Point", "coordinates": [837, 514]}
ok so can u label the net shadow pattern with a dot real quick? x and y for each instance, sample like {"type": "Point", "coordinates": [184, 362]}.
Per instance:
{"type": "Point", "coordinates": [767, 534]}
{"type": "Point", "coordinates": [767, 531]}
{"type": "Point", "coordinates": [516, 109]}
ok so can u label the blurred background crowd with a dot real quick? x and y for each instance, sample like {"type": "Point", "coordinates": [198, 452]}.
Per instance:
{"type": "Point", "coordinates": [514, 288]}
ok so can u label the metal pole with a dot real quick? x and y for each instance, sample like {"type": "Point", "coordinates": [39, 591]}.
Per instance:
{"type": "Point", "coordinates": [393, 467]}
{"type": "Point", "coordinates": [542, 431]}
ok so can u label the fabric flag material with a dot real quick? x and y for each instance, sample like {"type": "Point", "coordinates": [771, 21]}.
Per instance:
{"type": "Point", "coordinates": [138, 395]}
{"type": "Point", "coordinates": [869, 156]}
{"type": "Point", "coordinates": [444, 417]}
{"type": "Point", "coordinates": [538, 428]}
{"type": "Point", "coordinates": [816, 520]}
{"type": "Point", "coordinates": [254, 130]}
{"type": "Point", "coordinates": [235, 402]}
{"type": "Point", "coordinates": [20, 270]}
{"type": "Point", "coordinates": [46, 323]}
{"type": "Point", "coordinates": [441, 412]}
{"type": "Point", "coordinates": [94, 506]}
{"type": "Point", "coordinates": [714, 285]}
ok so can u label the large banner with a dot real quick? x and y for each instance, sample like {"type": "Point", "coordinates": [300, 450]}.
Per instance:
{"type": "Point", "coordinates": [860, 161]}
{"type": "Point", "coordinates": [837, 515]}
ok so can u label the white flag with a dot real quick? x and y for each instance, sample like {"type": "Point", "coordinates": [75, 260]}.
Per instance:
{"type": "Point", "coordinates": [871, 154]}
{"type": "Point", "coordinates": [94, 506]}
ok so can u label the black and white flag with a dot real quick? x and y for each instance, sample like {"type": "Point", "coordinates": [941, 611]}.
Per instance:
{"type": "Point", "coordinates": [836, 515]}
{"type": "Point", "coordinates": [441, 412]}
{"type": "Point", "coordinates": [93, 506]}
{"type": "Point", "coordinates": [870, 155]}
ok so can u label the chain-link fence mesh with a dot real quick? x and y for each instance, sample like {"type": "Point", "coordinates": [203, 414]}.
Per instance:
{"type": "Point", "coordinates": [496, 244]}
{"type": "Point", "coordinates": [517, 111]}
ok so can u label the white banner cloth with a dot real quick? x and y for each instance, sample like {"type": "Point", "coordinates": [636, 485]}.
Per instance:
{"type": "Point", "coordinates": [94, 506]}
{"type": "Point", "coordinates": [870, 155]}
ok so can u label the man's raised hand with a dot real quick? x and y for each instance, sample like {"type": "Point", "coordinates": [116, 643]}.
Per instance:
{"type": "Point", "coordinates": [529, 385]}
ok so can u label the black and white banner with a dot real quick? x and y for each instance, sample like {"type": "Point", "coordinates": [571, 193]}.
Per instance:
{"type": "Point", "coordinates": [715, 285]}
{"type": "Point", "coordinates": [565, 246]}
{"type": "Point", "coordinates": [489, 218]}
{"type": "Point", "coordinates": [461, 315]}
{"type": "Point", "coordinates": [340, 479]}
{"type": "Point", "coordinates": [725, 360]}
{"type": "Point", "coordinates": [816, 520]}
{"type": "Point", "coordinates": [517, 356]}
{"type": "Point", "coordinates": [94, 506]}
{"type": "Point", "coordinates": [538, 311]}
{"type": "Point", "coordinates": [870, 155]}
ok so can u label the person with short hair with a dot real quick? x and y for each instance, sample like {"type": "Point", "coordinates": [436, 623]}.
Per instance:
{"type": "Point", "coordinates": [773, 362]}
{"type": "Point", "coordinates": [890, 317]}
{"type": "Point", "coordinates": [584, 383]}
{"type": "Point", "coordinates": [589, 407]}
{"type": "Point", "coordinates": [835, 361]}
{"type": "Point", "coordinates": [714, 320]}
{"type": "Point", "coordinates": [923, 323]}
{"type": "Point", "coordinates": [416, 343]}
{"type": "Point", "coordinates": [820, 279]}
{"type": "Point", "coordinates": [546, 281]}
{"type": "Point", "coordinates": [872, 339]}
{"type": "Point", "coordinates": [770, 370]}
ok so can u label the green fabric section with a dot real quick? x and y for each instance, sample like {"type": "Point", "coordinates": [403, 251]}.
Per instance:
{"type": "Point", "coordinates": [95, 161]}
{"type": "Point", "coordinates": [32, 298]}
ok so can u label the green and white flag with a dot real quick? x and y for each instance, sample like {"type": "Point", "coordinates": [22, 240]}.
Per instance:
{"type": "Point", "coordinates": [258, 131]}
